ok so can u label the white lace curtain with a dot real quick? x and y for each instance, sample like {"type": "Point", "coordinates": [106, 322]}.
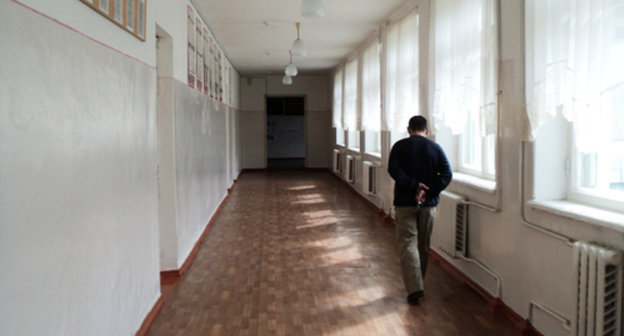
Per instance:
{"type": "Point", "coordinates": [371, 88]}
{"type": "Point", "coordinates": [401, 73]}
{"type": "Point", "coordinates": [575, 65]}
{"type": "Point", "coordinates": [337, 110]}
{"type": "Point", "coordinates": [350, 119]}
{"type": "Point", "coordinates": [465, 65]}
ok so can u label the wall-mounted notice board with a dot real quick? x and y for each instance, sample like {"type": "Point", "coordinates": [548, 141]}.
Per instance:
{"type": "Point", "coordinates": [127, 14]}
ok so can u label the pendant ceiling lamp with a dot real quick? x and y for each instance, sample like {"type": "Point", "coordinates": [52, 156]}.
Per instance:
{"type": "Point", "coordinates": [312, 9]}
{"type": "Point", "coordinates": [298, 48]}
{"type": "Point", "coordinates": [291, 69]}
{"type": "Point", "coordinates": [286, 80]}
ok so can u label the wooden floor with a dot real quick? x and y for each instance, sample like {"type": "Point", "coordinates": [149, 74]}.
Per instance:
{"type": "Point", "coordinates": [297, 253]}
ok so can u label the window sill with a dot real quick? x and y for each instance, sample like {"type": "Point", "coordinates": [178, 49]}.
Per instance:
{"type": "Point", "coordinates": [581, 212]}
{"type": "Point", "coordinates": [374, 155]}
{"type": "Point", "coordinates": [481, 184]}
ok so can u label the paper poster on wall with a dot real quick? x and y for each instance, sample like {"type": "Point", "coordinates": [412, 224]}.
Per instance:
{"type": "Point", "coordinates": [191, 45]}
{"type": "Point", "coordinates": [200, 57]}
{"type": "Point", "coordinates": [206, 62]}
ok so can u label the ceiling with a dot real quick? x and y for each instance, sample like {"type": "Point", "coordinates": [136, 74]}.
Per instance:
{"type": "Point", "coordinates": [257, 34]}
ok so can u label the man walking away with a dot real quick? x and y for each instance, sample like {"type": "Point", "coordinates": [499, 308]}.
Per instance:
{"type": "Point", "coordinates": [421, 171]}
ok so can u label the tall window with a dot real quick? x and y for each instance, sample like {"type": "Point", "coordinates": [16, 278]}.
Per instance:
{"type": "Point", "coordinates": [574, 68]}
{"type": "Point", "coordinates": [401, 73]}
{"type": "Point", "coordinates": [337, 109]}
{"type": "Point", "coordinates": [371, 97]}
{"type": "Point", "coordinates": [465, 65]}
{"type": "Point", "coordinates": [350, 112]}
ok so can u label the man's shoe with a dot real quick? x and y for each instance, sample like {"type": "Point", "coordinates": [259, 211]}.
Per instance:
{"type": "Point", "coordinates": [414, 297]}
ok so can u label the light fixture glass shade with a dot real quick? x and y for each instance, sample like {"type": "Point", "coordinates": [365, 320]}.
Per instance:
{"type": "Point", "coordinates": [298, 48]}
{"type": "Point", "coordinates": [286, 80]}
{"type": "Point", "coordinates": [291, 70]}
{"type": "Point", "coordinates": [312, 9]}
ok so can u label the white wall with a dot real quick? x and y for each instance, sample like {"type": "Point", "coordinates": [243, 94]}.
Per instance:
{"type": "Point", "coordinates": [194, 136]}
{"type": "Point", "coordinates": [315, 88]}
{"type": "Point", "coordinates": [80, 160]}
{"type": "Point", "coordinates": [200, 158]}
{"type": "Point", "coordinates": [78, 204]}
{"type": "Point", "coordinates": [533, 266]}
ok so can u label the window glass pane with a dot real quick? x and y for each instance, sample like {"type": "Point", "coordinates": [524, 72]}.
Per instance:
{"type": "Point", "coordinates": [371, 88]}
{"type": "Point", "coordinates": [141, 18]}
{"type": "Point", "coordinates": [104, 6]}
{"type": "Point", "coordinates": [574, 69]}
{"type": "Point", "coordinates": [372, 142]}
{"type": "Point", "coordinates": [340, 136]}
{"type": "Point", "coordinates": [354, 140]}
{"type": "Point", "coordinates": [402, 74]}
{"type": "Point", "coordinates": [118, 10]}
{"type": "Point", "coordinates": [350, 96]}
{"type": "Point", "coordinates": [465, 71]}
{"type": "Point", "coordinates": [337, 109]}
{"type": "Point", "coordinates": [616, 174]}
{"type": "Point", "coordinates": [130, 15]}
{"type": "Point", "coordinates": [470, 147]}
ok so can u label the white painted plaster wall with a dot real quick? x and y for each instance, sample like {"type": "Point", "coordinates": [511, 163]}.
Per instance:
{"type": "Point", "coordinates": [315, 88]}
{"type": "Point", "coordinates": [200, 159]}
{"type": "Point", "coordinates": [79, 206]}
{"type": "Point", "coordinates": [202, 168]}
{"type": "Point", "coordinates": [534, 267]}
{"type": "Point", "coordinates": [87, 21]}
{"type": "Point", "coordinates": [78, 193]}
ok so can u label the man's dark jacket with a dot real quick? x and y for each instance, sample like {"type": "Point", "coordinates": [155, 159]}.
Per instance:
{"type": "Point", "coordinates": [418, 159]}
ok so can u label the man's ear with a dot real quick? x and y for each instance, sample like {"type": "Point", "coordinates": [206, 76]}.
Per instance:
{"type": "Point", "coordinates": [427, 131]}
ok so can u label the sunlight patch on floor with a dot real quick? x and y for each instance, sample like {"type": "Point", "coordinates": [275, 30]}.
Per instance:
{"type": "Point", "coordinates": [299, 188]}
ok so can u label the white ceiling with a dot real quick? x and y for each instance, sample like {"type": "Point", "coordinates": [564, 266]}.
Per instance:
{"type": "Point", "coordinates": [257, 34]}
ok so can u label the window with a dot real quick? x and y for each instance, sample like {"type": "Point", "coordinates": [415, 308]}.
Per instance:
{"type": "Point", "coordinates": [354, 140]}
{"type": "Point", "coordinates": [465, 67]}
{"type": "Point", "coordinates": [371, 97]}
{"type": "Point", "coordinates": [350, 108]}
{"type": "Point", "coordinates": [575, 71]}
{"type": "Point", "coordinates": [401, 73]}
{"type": "Point", "coordinates": [372, 142]}
{"type": "Point", "coordinates": [337, 109]}
{"type": "Point", "coordinates": [340, 136]}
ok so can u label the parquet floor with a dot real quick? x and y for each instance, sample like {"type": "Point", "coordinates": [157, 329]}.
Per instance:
{"type": "Point", "coordinates": [296, 253]}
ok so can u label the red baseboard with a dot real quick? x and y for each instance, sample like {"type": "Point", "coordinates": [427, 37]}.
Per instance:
{"type": "Point", "coordinates": [189, 260]}
{"type": "Point", "coordinates": [151, 317]}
